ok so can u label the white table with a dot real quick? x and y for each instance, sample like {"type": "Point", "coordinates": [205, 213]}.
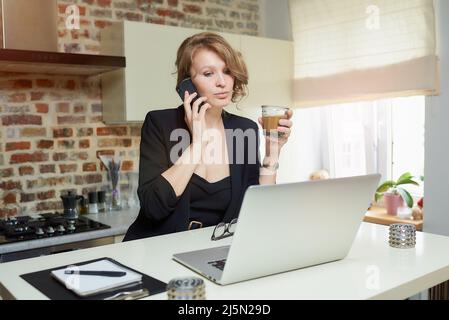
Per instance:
{"type": "Point", "coordinates": [372, 269]}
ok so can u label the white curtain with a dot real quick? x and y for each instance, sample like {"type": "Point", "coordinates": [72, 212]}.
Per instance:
{"type": "Point", "coordinates": [354, 50]}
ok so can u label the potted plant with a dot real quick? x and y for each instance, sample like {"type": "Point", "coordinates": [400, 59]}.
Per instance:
{"type": "Point", "coordinates": [394, 194]}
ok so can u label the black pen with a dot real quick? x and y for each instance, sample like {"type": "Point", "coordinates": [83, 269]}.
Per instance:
{"type": "Point", "coordinates": [97, 273]}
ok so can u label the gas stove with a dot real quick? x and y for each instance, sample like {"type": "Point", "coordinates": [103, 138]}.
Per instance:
{"type": "Point", "coordinates": [46, 225]}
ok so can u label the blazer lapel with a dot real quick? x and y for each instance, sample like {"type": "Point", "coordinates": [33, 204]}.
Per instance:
{"type": "Point", "coordinates": [235, 169]}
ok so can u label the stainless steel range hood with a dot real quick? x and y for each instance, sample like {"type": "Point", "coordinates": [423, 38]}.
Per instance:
{"type": "Point", "coordinates": [29, 42]}
{"type": "Point", "coordinates": [29, 25]}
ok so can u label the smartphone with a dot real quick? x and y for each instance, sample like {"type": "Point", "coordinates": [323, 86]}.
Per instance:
{"type": "Point", "coordinates": [187, 85]}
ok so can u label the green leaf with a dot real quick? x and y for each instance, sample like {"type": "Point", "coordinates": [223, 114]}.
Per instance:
{"type": "Point", "coordinates": [408, 181]}
{"type": "Point", "coordinates": [406, 196]}
{"type": "Point", "coordinates": [385, 186]}
{"type": "Point", "coordinates": [377, 196]}
{"type": "Point", "coordinates": [405, 176]}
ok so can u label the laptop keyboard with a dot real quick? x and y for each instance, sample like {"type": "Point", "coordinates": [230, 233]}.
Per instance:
{"type": "Point", "coordinates": [219, 264]}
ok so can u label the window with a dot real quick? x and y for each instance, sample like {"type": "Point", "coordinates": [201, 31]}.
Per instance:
{"type": "Point", "coordinates": [385, 136]}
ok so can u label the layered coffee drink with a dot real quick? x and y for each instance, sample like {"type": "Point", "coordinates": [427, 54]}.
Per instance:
{"type": "Point", "coordinates": [271, 116]}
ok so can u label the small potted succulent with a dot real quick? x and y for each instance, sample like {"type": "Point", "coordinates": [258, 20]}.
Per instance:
{"type": "Point", "coordinates": [394, 194]}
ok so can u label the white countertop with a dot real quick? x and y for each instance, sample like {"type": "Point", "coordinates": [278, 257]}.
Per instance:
{"type": "Point", "coordinates": [372, 269]}
{"type": "Point", "coordinates": [119, 221]}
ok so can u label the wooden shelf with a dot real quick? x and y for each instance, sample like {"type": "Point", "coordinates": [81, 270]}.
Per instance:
{"type": "Point", "coordinates": [28, 61]}
{"type": "Point", "coordinates": [380, 216]}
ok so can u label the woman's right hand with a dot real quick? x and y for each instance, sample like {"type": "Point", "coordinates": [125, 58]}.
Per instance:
{"type": "Point", "coordinates": [195, 119]}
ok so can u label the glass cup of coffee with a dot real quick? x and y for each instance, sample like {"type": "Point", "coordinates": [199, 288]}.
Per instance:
{"type": "Point", "coordinates": [270, 118]}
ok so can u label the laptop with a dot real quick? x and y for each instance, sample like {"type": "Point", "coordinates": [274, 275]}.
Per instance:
{"type": "Point", "coordinates": [286, 227]}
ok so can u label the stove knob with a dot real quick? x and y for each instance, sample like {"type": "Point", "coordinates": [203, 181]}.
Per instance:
{"type": "Point", "coordinates": [39, 232]}
{"type": "Point", "coordinates": [11, 221]}
{"type": "Point", "coordinates": [71, 225]}
{"type": "Point", "coordinates": [60, 228]}
{"type": "Point", "coordinates": [50, 230]}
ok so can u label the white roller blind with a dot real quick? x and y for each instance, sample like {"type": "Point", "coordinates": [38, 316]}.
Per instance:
{"type": "Point", "coordinates": [352, 50]}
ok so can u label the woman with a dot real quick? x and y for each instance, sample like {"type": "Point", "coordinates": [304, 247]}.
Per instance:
{"type": "Point", "coordinates": [194, 188]}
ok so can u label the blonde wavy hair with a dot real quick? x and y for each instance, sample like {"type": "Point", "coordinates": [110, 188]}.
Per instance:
{"type": "Point", "coordinates": [216, 43]}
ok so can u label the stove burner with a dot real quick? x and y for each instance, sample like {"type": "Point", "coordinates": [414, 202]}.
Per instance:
{"type": "Point", "coordinates": [45, 225]}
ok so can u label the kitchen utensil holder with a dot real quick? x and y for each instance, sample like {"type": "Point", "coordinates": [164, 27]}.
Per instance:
{"type": "Point", "coordinates": [189, 288]}
{"type": "Point", "coordinates": [402, 235]}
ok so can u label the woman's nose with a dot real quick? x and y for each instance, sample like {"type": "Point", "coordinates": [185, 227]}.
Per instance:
{"type": "Point", "coordinates": [220, 80]}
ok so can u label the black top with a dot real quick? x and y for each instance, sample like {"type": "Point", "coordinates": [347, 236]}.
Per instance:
{"type": "Point", "coordinates": [161, 211]}
{"type": "Point", "coordinates": [209, 201]}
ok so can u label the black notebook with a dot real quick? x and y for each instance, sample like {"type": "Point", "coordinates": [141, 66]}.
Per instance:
{"type": "Point", "coordinates": [54, 289]}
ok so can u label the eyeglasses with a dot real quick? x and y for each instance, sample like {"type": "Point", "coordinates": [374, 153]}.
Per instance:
{"type": "Point", "coordinates": [224, 230]}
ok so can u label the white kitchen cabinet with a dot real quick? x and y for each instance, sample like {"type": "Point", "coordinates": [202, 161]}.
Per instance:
{"type": "Point", "coordinates": [149, 79]}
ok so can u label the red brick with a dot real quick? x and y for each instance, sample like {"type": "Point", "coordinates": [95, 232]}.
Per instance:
{"type": "Point", "coordinates": [26, 170]}
{"type": "Point", "coordinates": [22, 145]}
{"type": "Point", "coordinates": [170, 13]}
{"type": "Point", "coordinates": [75, 34]}
{"type": "Point", "coordinates": [160, 21]}
{"type": "Point", "coordinates": [41, 107]}
{"type": "Point", "coordinates": [112, 131]}
{"type": "Point", "coordinates": [69, 85]}
{"type": "Point", "coordinates": [49, 182]}
{"type": "Point", "coordinates": [46, 195]}
{"type": "Point", "coordinates": [102, 23]}
{"type": "Point", "coordinates": [28, 157]}
{"type": "Point", "coordinates": [173, 3]}
{"type": "Point", "coordinates": [17, 97]}
{"type": "Point", "coordinates": [45, 144]}
{"type": "Point", "coordinates": [62, 33]}
{"type": "Point", "coordinates": [96, 119]}
{"type": "Point", "coordinates": [64, 168]}
{"type": "Point", "coordinates": [35, 96]}
{"type": "Point", "coordinates": [60, 156]}
{"type": "Point", "coordinates": [79, 108]}
{"type": "Point", "coordinates": [88, 179]}
{"type": "Point", "coordinates": [66, 144]}
{"type": "Point", "coordinates": [131, 16]}
{"type": "Point", "coordinates": [84, 144]}
{"type": "Point", "coordinates": [102, 143]}
{"type": "Point", "coordinates": [104, 3]}
{"type": "Point", "coordinates": [33, 132]}
{"type": "Point", "coordinates": [27, 197]}
{"type": "Point", "coordinates": [63, 7]}
{"type": "Point", "coordinates": [45, 83]}
{"type": "Point", "coordinates": [9, 198]}
{"type": "Point", "coordinates": [6, 173]}
{"type": "Point", "coordinates": [49, 205]}
{"type": "Point", "coordinates": [91, 166]}
{"type": "Point", "coordinates": [21, 119]}
{"type": "Point", "coordinates": [127, 165]}
{"type": "Point", "coordinates": [10, 185]}
{"type": "Point", "coordinates": [22, 84]}
{"type": "Point", "coordinates": [79, 156]}
{"type": "Point", "coordinates": [6, 212]}
{"type": "Point", "coordinates": [71, 119]}
{"type": "Point", "coordinates": [105, 153]}
{"type": "Point", "coordinates": [85, 23]}
{"type": "Point", "coordinates": [63, 107]}
{"type": "Point", "coordinates": [191, 8]}
{"type": "Point", "coordinates": [85, 132]}
{"type": "Point", "coordinates": [62, 133]}
{"type": "Point", "coordinates": [47, 168]}
{"type": "Point", "coordinates": [136, 131]}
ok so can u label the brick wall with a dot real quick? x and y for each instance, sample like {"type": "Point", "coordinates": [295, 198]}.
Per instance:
{"type": "Point", "coordinates": [51, 128]}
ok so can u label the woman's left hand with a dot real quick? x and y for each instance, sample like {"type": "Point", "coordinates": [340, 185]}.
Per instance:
{"type": "Point", "coordinates": [284, 127]}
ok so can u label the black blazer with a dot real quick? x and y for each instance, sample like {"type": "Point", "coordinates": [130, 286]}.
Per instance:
{"type": "Point", "coordinates": [161, 211]}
